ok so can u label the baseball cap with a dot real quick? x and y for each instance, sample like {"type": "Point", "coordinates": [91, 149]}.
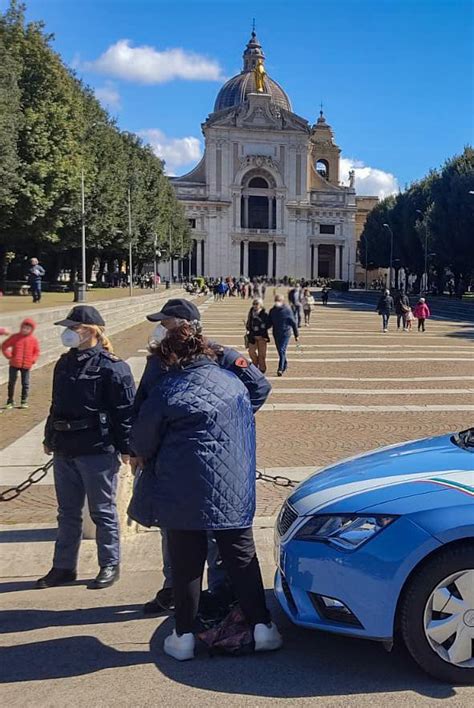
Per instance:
{"type": "Point", "coordinates": [82, 314]}
{"type": "Point", "coordinates": [177, 308]}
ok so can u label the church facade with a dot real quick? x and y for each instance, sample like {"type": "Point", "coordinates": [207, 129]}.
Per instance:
{"type": "Point", "coordinates": [266, 198]}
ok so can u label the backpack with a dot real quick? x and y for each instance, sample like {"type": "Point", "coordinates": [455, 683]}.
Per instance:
{"type": "Point", "coordinates": [233, 636]}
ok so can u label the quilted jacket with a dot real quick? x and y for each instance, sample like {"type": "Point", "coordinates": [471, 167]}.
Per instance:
{"type": "Point", "coordinates": [21, 350]}
{"type": "Point", "coordinates": [196, 432]}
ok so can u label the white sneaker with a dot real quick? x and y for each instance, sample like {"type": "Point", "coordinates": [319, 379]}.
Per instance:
{"type": "Point", "coordinates": [267, 637]}
{"type": "Point", "coordinates": [180, 647]}
{"type": "Point", "coordinates": [384, 331]}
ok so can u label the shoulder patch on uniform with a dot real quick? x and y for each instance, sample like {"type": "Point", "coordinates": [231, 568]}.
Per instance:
{"type": "Point", "coordinates": [241, 362]}
{"type": "Point", "coordinates": [111, 356]}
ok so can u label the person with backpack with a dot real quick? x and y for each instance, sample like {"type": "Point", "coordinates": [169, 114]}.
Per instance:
{"type": "Point", "coordinates": [197, 407]}
{"type": "Point", "coordinates": [308, 303]}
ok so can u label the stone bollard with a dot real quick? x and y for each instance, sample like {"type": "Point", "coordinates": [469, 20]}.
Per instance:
{"type": "Point", "coordinates": [124, 494]}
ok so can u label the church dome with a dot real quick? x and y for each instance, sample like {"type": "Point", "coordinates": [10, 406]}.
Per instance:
{"type": "Point", "coordinates": [235, 91]}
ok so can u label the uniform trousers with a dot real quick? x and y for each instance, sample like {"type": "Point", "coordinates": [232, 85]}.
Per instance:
{"type": "Point", "coordinates": [94, 477]}
{"type": "Point", "coordinates": [188, 550]}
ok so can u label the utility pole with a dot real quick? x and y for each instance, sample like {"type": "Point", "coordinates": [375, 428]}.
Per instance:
{"type": "Point", "coordinates": [171, 257]}
{"type": "Point", "coordinates": [130, 261]}
{"type": "Point", "coordinates": [82, 286]}
{"type": "Point", "coordinates": [389, 284]}
{"type": "Point", "coordinates": [155, 242]}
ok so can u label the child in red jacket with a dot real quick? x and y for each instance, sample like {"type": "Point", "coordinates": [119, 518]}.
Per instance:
{"type": "Point", "coordinates": [422, 312]}
{"type": "Point", "coordinates": [22, 351]}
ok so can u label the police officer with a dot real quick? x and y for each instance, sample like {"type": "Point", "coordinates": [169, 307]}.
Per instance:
{"type": "Point", "coordinates": [258, 388]}
{"type": "Point", "coordinates": [87, 427]}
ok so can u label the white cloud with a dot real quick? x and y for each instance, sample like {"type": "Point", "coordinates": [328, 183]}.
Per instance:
{"type": "Point", "coordinates": [176, 152]}
{"type": "Point", "coordinates": [147, 65]}
{"type": "Point", "coordinates": [368, 180]}
{"type": "Point", "coordinates": [108, 95]}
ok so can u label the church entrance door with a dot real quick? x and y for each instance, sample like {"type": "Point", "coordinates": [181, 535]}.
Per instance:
{"type": "Point", "coordinates": [258, 259]}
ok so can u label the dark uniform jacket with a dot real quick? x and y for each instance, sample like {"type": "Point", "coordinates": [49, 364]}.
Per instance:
{"type": "Point", "coordinates": [254, 381]}
{"type": "Point", "coordinates": [196, 431]}
{"type": "Point", "coordinates": [92, 404]}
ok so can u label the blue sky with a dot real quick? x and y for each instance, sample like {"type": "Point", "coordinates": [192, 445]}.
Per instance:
{"type": "Point", "coordinates": [395, 76]}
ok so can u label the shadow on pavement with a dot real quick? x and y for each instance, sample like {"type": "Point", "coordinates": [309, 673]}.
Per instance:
{"type": "Point", "coordinates": [28, 620]}
{"type": "Point", "coordinates": [310, 665]}
{"type": "Point", "coordinates": [63, 658]}
{"type": "Point", "coordinates": [22, 585]}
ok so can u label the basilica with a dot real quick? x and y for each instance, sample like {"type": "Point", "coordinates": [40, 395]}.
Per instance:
{"type": "Point", "coordinates": [266, 198]}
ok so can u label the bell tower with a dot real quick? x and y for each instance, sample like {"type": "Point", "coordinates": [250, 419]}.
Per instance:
{"type": "Point", "coordinates": [324, 151]}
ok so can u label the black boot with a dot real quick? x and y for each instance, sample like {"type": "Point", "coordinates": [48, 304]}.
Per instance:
{"type": "Point", "coordinates": [163, 602]}
{"type": "Point", "coordinates": [57, 576]}
{"type": "Point", "coordinates": [107, 576]}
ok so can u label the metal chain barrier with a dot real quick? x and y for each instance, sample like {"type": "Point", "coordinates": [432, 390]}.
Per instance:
{"type": "Point", "coordinates": [36, 476]}
{"type": "Point", "coordinates": [277, 481]}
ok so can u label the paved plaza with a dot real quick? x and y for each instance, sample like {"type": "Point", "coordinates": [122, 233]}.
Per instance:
{"type": "Point", "coordinates": [349, 388]}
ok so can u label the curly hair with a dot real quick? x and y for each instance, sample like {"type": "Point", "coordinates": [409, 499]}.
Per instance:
{"type": "Point", "coordinates": [182, 345]}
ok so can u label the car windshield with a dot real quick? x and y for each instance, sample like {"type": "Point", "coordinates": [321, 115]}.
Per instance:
{"type": "Point", "coordinates": [464, 439]}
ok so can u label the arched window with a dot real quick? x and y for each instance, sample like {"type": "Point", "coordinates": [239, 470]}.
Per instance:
{"type": "Point", "coordinates": [258, 182]}
{"type": "Point", "coordinates": [322, 168]}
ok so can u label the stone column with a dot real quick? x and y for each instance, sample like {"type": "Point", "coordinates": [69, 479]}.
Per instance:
{"type": "Point", "coordinates": [337, 261]}
{"type": "Point", "coordinates": [246, 212]}
{"type": "Point", "coordinates": [270, 260]}
{"type": "Point", "coordinates": [341, 262]}
{"type": "Point", "coordinates": [311, 271]}
{"type": "Point", "coordinates": [203, 269]}
{"type": "Point", "coordinates": [270, 211]}
{"type": "Point", "coordinates": [316, 270]}
{"type": "Point", "coordinates": [246, 259]}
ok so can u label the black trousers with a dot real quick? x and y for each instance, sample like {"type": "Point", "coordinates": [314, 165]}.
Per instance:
{"type": "Point", "coordinates": [188, 551]}
{"type": "Point", "coordinates": [25, 383]}
{"type": "Point", "coordinates": [421, 324]}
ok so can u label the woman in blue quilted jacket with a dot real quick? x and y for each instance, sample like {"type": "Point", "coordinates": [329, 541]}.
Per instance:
{"type": "Point", "coordinates": [195, 434]}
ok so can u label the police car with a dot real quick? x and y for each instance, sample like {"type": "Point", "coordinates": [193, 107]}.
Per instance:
{"type": "Point", "coordinates": [382, 546]}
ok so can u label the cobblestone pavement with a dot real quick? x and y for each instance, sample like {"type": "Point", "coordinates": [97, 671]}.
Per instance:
{"type": "Point", "coordinates": [394, 380]}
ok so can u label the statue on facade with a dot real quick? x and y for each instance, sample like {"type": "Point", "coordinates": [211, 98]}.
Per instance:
{"type": "Point", "coordinates": [351, 178]}
{"type": "Point", "coordinates": [260, 74]}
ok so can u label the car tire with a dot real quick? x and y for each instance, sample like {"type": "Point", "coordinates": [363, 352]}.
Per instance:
{"type": "Point", "coordinates": [414, 606]}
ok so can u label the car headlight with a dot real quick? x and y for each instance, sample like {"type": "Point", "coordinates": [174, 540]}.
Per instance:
{"type": "Point", "coordinates": [345, 531]}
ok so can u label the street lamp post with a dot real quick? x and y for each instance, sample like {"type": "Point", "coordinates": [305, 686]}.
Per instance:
{"type": "Point", "coordinates": [386, 226]}
{"type": "Point", "coordinates": [82, 286]}
{"type": "Point", "coordinates": [171, 257]}
{"type": "Point", "coordinates": [130, 261]}
{"type": "Point", "coordinates": [155, 242]}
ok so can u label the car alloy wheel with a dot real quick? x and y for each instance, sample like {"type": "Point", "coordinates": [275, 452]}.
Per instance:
{"type": "Point", "coordinates": [449, 619]}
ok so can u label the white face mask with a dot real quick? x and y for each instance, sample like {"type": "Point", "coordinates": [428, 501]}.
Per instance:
{"type": "Point", "coordinates": [159, 333]}
{"type": "Point", "coordinates": [70, 338]}
{"type": "Point", "coordinates": [278, 304]}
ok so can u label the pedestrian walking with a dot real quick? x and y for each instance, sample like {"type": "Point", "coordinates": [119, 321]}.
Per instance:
{"type": "Point", "coordinates": [384, 308]}
{"type": "Point", "coordinates": [307, 303]}
{"type": "Point", "coordinates": [402, 306]}
{"type": "Point", "coordinates": [257, 334]}
{"type": "Point", "coordinates": [294, 297]}
{"type": "Point", "coordinates": [22, 351]}
{"type": "Point", "coordinates": [196, 407]}
{"type": "Point", "coordinates": [325, 295]}
{"type": "Point", "coordinates": [258, 389]}
{"type": "Point", "coordinates": [35, 274]}
{"type": "Point", "coordinates": [283, 324]}
{"type": "Point", "coordinates": [87, 428]}
{"type": "Point", "coordinates": [409, 319]}
{"type": "Point", "coordinates": [421, 313]}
